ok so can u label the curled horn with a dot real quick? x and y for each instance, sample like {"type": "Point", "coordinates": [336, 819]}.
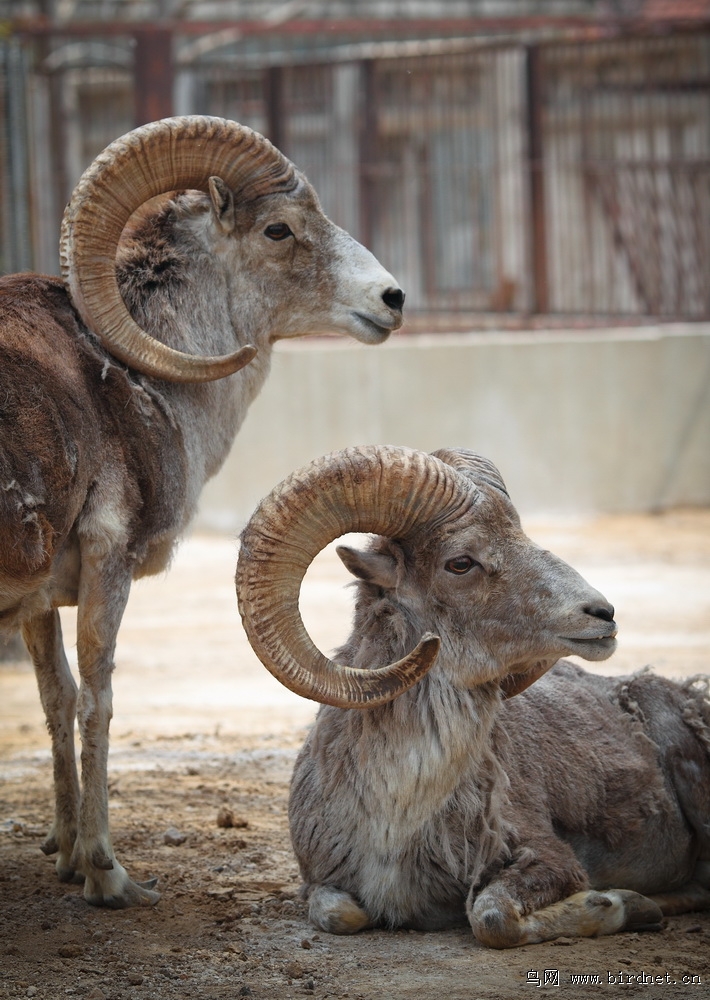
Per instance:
{"type": "Point", "coordinates": [166, 155]}
{"type": "Point", "coordinates": [380, 489]}
{"type": "Point", "coordinates": [473, 465]}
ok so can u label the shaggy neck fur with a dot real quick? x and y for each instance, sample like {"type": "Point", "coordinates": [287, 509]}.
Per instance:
{"type": "Point", "coordinates": [395, 772]}
{"type": "Point", "coordinates": [168, 279]}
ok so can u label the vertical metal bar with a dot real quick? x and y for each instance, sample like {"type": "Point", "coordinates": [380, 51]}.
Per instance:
{"type": "Point", "coordinates": [368, 152]}
{"type": "Point", "coordinates": [153, 74]}
{"type": "Point", "coordinates": [273, 83]}
{"type": "Point", "coordinates": [538, 236]}
{"type": "Point", "coordinates": [20, 249]}
{"type": "Point", "coordinates": [425, 156]}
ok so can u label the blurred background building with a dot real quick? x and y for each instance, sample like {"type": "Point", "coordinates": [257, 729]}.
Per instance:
{"type": "Point", "coordinates": [509, 161]}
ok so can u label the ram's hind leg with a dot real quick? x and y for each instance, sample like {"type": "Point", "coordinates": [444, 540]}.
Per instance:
{"type": "Point", "coordinates": [335, 911]}
{"type": "Point", "coordinates": [690, 773]}
{"type": "Point", "coordinates": [688, 899]}
{"type": "Point", "coordinates": [58, 693]}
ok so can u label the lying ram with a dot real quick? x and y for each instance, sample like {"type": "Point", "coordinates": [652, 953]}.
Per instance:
{"type": "Point", "coordinates": [426, 794]}
{"type": "Point", "coordinates": [121, 390]}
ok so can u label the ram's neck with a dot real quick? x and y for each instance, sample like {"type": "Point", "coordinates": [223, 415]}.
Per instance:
{"type": "Point", "coordinates": [184, 297]}
{"type": "Point", "coordinates": [407, 761]}
{"type": "Point", "coordinates": [182, 292]}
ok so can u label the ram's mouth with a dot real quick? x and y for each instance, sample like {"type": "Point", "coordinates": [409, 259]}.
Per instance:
{"type": "Point", "coordinates": [592, 647]}
{"type": "Point", "coordinates": [372, 329]}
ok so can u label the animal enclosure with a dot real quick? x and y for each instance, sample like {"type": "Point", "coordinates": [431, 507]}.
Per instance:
{"type": "Point", "coordinates": [569, 177]}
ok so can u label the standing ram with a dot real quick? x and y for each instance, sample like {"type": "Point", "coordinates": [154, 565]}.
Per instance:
{"type": "Point", "coordinates": [121, 391]}
{"type": "Point", "coordinates": [425, 793]}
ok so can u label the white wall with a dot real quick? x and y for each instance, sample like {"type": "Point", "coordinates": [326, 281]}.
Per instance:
{"type": "Point", "coordinates": [578, 422]}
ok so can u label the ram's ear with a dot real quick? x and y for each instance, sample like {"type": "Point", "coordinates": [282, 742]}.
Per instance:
{"type": "Point", "coordinates": [372, 567]}
{"type": "Point", "coordinates": [222, 205]}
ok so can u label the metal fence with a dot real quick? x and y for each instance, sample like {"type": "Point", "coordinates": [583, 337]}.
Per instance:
{"type": "Point", "coordinates": [567, 178]}
{"type": "Point", "coordinates": [627, 176]}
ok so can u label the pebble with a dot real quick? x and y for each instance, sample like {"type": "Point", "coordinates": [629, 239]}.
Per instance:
{"type": "Point", "coordinates": [70, 950]}
{"type": "Point", "coordinates": [173, 838]}
{"type": "Point", "coordinates": [226, 819]}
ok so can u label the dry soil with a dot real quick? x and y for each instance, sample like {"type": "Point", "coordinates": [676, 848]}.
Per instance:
{"type": "Point", "coordinates": [200, 727]}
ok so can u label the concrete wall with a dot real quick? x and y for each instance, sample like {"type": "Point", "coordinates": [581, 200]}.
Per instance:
{"type": "Point", "coordinates": [578, 422]}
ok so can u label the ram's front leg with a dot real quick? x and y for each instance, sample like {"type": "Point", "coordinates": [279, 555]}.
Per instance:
{"type": "Point", "coordinates": [499, 921]}
{"type": "Point", "coordinates": [58, 691]}
{"type": "Point", "coordinates": [105, 584]}
{"type": "Point", "coordinates": [534, 900]}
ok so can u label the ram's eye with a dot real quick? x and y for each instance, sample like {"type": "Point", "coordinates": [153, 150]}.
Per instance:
{"type": "Point", "coordinates": [460, 565]}
{"type": "Point", "coordinates": [278, 231]}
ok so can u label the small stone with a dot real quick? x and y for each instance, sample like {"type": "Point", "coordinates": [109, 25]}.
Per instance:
{"type": "Point", "coordinates": [293, 970]}
{"type": "Point", "coordinates": [70, 950]}
{"type": "Point", "coordinates": [31, 991]}
{"type": "Point", "coordinates": [173, 838]}
{"type": "Point", "coordinates": [245, 991]}
{"type": "Point", "coordinates": [223, 894]}
{"type": "Point", "coordinates": [134, 978]}
{"type": "Point", "coordinates": [306, 944]}
{"type": "Point", "coordinates": [96, 994]}
{"type": "Point", "coordinates": [225, 818]}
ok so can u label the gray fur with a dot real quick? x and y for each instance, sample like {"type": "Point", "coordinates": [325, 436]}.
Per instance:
{"type": "Point", "coordinates": [101, 468]}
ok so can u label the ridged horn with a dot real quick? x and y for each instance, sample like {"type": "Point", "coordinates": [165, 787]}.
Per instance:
{"type": "Point", "coordinates": [471, 464]}
{"type": "Point", "coordinates": [166, 155]}
{"type": "Point", "coordinates": [380, 489]}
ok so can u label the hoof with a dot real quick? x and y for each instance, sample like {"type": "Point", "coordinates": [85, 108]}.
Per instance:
{"type": "Point", "coordinates": [640, 912]}
{"type": "Point", "coordinates": [616, 910]}
{"type": "Point", "coordinates": [133, 894]}
{"type": "Point", "coordinates": [69, 874]}
{"type": "Point", "coordinates": [50, 845]}
{"type": "Point", "coordinates": [149, 884]}
{"type": "Point", "coordinates": [115, 890]}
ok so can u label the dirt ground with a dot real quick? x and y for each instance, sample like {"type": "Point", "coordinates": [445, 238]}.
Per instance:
{"type": "Point", "coordinates": [199, 725]}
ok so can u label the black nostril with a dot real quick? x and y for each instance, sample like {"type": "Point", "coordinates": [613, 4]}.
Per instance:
{"type": "Point", "coordinates": [605, 612]}
{"type": "Point", "coordinates": [394, 298]}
